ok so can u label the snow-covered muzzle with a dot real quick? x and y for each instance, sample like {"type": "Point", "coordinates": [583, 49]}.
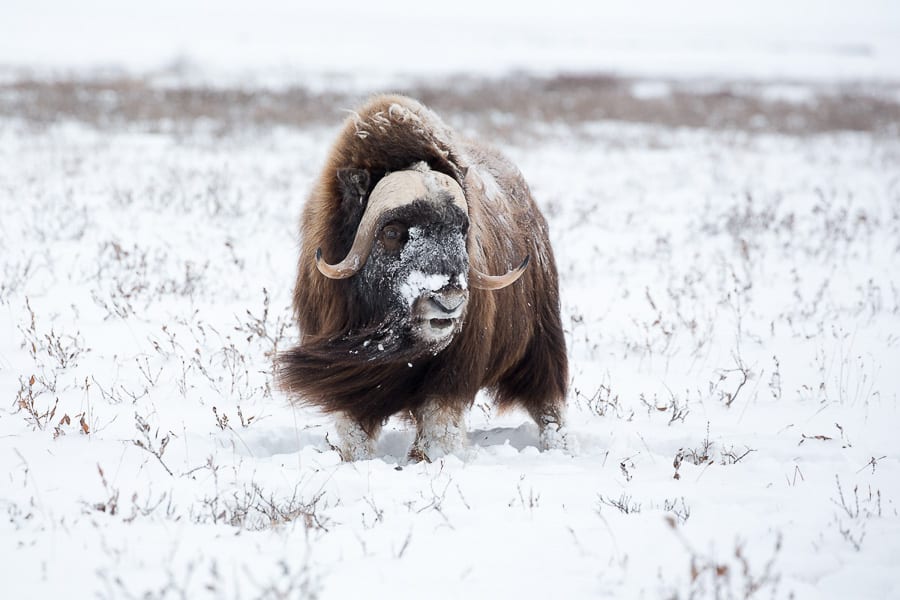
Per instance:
{"type": "Point", "coordinates": [415, 278]}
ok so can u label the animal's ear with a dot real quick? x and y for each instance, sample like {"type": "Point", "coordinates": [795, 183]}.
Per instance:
{"type": "Point", "coordinates": [354, 184]}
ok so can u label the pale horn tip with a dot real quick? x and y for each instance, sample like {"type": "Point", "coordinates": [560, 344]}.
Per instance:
{"type": "Point", "coordinates": [496, 282]}
{"type": "Point", "coordinates": [339, 271]}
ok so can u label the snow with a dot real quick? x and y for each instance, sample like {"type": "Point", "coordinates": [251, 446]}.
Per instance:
{"type": "Point", "coordinates": [353, 42]}
{"type": "Point", "coordinates": [684, 270]}
{"type": "Point", "coordinates": [418, 283]}
{"type": "Point", "coordinates": [731, 302]}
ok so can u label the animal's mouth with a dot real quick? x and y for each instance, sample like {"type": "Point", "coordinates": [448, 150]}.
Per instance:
{"type": "Point", "coordinates": [438, 316]}
{"type": "Point", "coordinates": [440, 324]}
{"type": "Point", "coordinates": [437, 330]}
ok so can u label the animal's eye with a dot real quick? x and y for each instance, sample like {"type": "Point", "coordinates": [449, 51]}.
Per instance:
{"type": "Point", "coordinates": [394, 235]}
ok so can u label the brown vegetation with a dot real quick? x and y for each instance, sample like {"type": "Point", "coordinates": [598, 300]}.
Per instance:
{"type": "Point", "coordinates": [490, 105]}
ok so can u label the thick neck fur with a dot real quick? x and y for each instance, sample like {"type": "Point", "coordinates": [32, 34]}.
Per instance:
{"type": "Point", "coordinates": [368, 375]}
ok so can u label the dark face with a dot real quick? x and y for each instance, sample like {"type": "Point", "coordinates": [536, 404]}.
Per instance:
{"type": "Point", "coordinates": [415, 276]}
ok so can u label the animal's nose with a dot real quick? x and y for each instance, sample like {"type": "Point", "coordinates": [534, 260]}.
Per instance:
{"type": "Point", "coordinates": [448, 300]}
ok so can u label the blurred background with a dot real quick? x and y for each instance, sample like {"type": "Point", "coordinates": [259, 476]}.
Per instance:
{"type": "Point", "coordinates": [770, 65]}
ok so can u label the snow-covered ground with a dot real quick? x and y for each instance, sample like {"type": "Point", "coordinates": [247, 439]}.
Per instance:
{"type": "Point", "coordinates": [729, 250]}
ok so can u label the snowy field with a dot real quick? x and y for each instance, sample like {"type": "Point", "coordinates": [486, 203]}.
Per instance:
{"type": "Point", "coordinates": [729, 254]}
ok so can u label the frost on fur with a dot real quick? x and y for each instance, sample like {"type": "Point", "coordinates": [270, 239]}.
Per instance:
{"type": "Point", "coordinates": [553, 433]}
{"type": "Point", "coordinates": [355, 443]}
{"type": "Point", "coordinates": [440, 430]}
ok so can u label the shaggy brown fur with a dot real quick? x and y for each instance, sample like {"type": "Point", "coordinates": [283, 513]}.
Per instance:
{"type": "Point", "coordinates": [511, 341]}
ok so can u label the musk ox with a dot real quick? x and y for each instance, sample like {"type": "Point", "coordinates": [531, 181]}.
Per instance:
{"type": "Point", "coordinates": [425, 275]}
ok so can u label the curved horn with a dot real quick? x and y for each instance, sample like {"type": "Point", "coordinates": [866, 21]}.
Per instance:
{"type": "Point", "coordinates": [396, 189]}
{"type": "Point", "coordinates": [495, 282]}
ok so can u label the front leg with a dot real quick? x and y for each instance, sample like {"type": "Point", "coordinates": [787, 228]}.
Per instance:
{"type": "Point", "coordinates": [440, 429]}
{"type": "Point", "coordinates": [553, 434]}
{"type": "Point", "coordinates": [354, 442]}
